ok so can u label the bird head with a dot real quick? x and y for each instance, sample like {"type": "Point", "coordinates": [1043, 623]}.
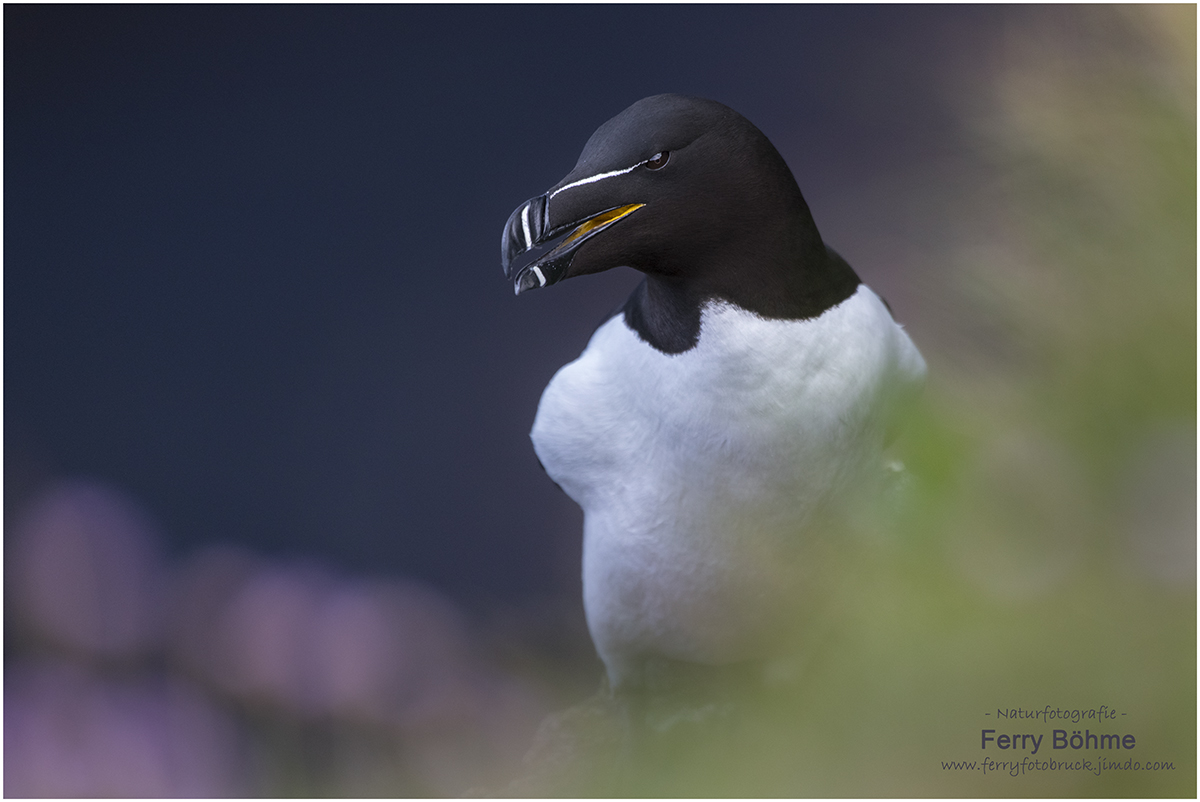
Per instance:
{"type": "Point", "coordinates": [677, 187]}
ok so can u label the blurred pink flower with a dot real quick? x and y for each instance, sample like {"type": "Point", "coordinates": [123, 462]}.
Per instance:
{"type": "Point", "coordinates": [69, 734]}
{"type": "Point", "coordinates": [264, 635]}
{"type": "Point", "coordinates": [395, 660]}
{"type": "Point", "coordinates": [390, 653]}
{"type": "Point", "coordinates": [87, 570]}
{"type": "Point", "coordinates": [201, 593]}
{"type": "Point", "coordinates": [381, 650]}
{"type": "Point", "coordinates": [486, 747]}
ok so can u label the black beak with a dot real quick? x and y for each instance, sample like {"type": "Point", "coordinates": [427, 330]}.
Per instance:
{"type": "Point", "coordinates": [530, 227]}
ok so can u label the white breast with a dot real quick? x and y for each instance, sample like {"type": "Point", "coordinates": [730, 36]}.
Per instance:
{"type": "Point", "coordinates": [702, 474]}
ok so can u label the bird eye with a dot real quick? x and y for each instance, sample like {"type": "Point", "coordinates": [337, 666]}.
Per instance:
{"type": "Point", "coordinates": [658, 160]}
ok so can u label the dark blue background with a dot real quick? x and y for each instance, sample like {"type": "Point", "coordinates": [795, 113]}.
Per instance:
{"type": "Point", "coordinates": [252, 252]}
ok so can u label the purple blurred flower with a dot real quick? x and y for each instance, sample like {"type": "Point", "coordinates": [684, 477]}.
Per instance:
{"type": "Point", "coordinates": [200, 594]}
{"type": "Point", "coordinates": [264, 636]}
{"type": "Point", "coordinates": [381, 651]}
{"type": "Point", "coordinates": [392, 664]}
{"type": "Point", "coordinates": [390, 653]}
{"type": "Point", "coordinates": [87, 571]}
{"type": "Point", "coordinates": [69, 734]}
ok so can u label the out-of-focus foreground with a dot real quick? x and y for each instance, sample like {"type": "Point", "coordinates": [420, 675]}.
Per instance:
{"type": "Point", "coordinates": [231, 675]}
{"type": "Point", "coordinates": [1043, 554]}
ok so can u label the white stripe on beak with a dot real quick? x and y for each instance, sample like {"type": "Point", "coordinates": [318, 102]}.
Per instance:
{"type": "Point", "coordinates": [525, 228]}
{"type": "Point", "coordinates": [597, 177]}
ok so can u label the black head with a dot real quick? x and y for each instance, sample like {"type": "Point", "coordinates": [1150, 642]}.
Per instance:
{"type": "Point", "coordinates": [689, 192]}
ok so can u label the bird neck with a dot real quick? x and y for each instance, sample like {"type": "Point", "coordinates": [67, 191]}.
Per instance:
{"type": "Point", "coordinates": [779, 271]}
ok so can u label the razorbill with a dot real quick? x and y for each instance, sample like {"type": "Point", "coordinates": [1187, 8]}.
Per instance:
{"type": "Point", "coordinates": [714, 424]}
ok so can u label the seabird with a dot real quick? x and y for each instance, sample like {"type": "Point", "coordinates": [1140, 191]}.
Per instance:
{"type": "Point", "coordinates": [716, 423]}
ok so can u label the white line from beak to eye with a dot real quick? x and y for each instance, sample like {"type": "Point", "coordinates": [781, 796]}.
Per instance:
{"type": "Point", "coordinates": [525, 227]}
{"type": "Point", "coordinates": [541, 278]}
{"type": "Point", "coordinates": [597, 177]}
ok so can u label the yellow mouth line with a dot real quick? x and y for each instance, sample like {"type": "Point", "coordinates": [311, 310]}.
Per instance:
{"type": "Point", "coordinates": [601, 220]}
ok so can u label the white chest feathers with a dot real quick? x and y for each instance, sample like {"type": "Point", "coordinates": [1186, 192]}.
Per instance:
{"type": "Point", "coordinates": [702, 475]}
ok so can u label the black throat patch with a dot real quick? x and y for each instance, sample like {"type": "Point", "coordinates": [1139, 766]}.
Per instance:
{"type": "Point", "coordinates": [666, 314]}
